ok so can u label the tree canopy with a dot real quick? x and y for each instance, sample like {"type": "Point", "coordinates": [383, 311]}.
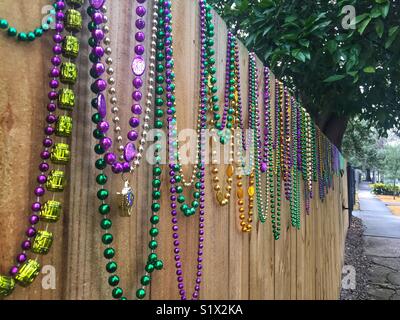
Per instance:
{"type": "Point", "coordinates": [338, 67]}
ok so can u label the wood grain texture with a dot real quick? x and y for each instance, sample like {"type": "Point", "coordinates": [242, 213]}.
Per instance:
{"type": "Point", "coordinates": [304, 264]}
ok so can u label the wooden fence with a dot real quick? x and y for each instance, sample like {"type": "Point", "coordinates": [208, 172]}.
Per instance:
{"type": "Point", "coordinates": [303, 264]}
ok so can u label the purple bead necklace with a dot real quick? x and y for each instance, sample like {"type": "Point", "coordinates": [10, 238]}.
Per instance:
{"type": "Point", "coordinates": [129, 155]}
{"type": "Point", "coordinates": [52, 122]}
{"type": "Point", "coordinates": [174, 167]}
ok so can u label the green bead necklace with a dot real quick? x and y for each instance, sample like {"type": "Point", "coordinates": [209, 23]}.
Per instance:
{"type": "Point", "coordinates": [153, 263]}
{"type": "Point", "coordinates": [28, 36]}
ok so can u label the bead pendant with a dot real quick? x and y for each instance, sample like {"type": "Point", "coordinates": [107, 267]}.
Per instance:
{"type": "Point", "coordinates": [138, 66]}
{"type": "Point", "coordinates": [126, 199]}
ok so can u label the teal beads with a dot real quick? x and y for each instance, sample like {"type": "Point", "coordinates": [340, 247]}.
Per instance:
{"type": "Point", "coordinates": [141, 294]}
{"type": "Point", "coordinates": [21, 36]}
{"type": "Point", "coordinates": [3, 24]}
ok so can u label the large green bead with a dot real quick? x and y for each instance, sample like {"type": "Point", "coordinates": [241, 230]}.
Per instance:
{"type": "Point", "coordinates": [98, 149]}
{"type": "Point", "coordinates": [109, 253]}
{"type": "Point", "coordinates": [153, 245]}
{"type": "Point", "coordinates": [155, 207]}
{"type": "Point", "coordinates": [156, 195]}
{"type": "Point", "coordinates": [113, 280]}
{"type": "Point", "coordinates": [152, 257]}
{"type": "Point", "coordinates": [157, 171]}
{"type": "Point", "coordinates": [111, 267]}
{"type": "Point", "coordinates": [159, 265]}
{"type": "Point", "coordinates": [149, 268]}
{"type": "Point", "coordinates": [104, 209]}
{"type": "Point", "coordinates": [101, 164]}
{"type": "Point", "coordinates": [141, 294]}
{"type": "Point", "coordinates": [12, 32]}
{"type": "Point", "coordinates": [22, 36]}
{"type": "Point", "coordinates": [117, 293]}
{"type": "Point", "coordinates": [101, 179]}
{"type": "Point", "coordinates": [145, 280]}
{"type": "Point", "coordinates": [107, 238]}
{"type": "Point", "coordinates": [3, 24]}
{"type": "Point", "coordinates": [154, 232]}
{"type": "Point", "coordinates": [31, 36]}
{"type": "Point", "coordinates": [155, 219]}
{"type": "Point", "coordinates": [156, 183]}
{"type": "Point", "coordinates": [102, 194]}
{"type": "Point", "coordinates": [106, 224]}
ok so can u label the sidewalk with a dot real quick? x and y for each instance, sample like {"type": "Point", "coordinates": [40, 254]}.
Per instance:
{"type": "Point", "coordinates": [382, 245]}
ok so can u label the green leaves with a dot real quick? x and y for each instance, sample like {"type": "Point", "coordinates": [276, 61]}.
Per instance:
{"type": "Point", "coordinates": [379, 28]}
{"type": "Point", "coordinates": [335, 77]}
{"type": "Point", "coordinates": [305, 43]}
{"type": "Point", "coordinates": [363, 25]}
{"type": "Point", "coordinates": [393, 32]}
{"type": "Point", "coordinates": [369, 69]}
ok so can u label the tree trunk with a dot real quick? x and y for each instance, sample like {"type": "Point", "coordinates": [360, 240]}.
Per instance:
{"type": "Point", "coordinates": [368, 177]}
{"type": "Point", "coordinates": [333, 127]}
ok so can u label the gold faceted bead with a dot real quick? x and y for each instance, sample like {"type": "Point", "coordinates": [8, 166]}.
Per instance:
{"type": "Point", "coordinates": [64, 126]}
{"type": "Point", "coordinates": [239, 184]}
{"type": "Point", "coordinates": [215, 170]}
{"type": "Point", "coordinates": [227, 196]}
{"type": "Point", "coordinates": [243, 224]}
{"type": "Point", "coordinates": [66, 99]}
{"type": "Point", "coordinates": [7, 285]}
{"type": "Point", "coordinates": [27, 273]}
{"type": "Point", "coordinates": [70, 47]}
{"type": "Point", "coordinates": [51, 211]}
{"type": "Point", "coordinates": [73, 20]}
{"type": "Point", "coordinates": [56, 181]}
{"type": "Point", "coordinates": [60, 153]}
{"type": "Point", "coordinates": [217, 188]}
{"type": "Point", "coordinates": [229, 180]}
{"type": "Point", "coordinates": [251, 191]}
{"type": "Point", "coordinates": [215, 179]}
{"type": "Point", "coordinates": [228, 188]}
{"type": "Point", "coordinates": [42, 242]}
{"type": "Point", "coordinates": [250, 220]}
{"type": "Point", "coordinates": [224, 202]}
{"type": "Point", "coordinates": [240, 193]}
{"type": "Point", "coordinates": [241, 210]}
{"type": "Point", "coordinates": [68, 73]}
{"type": "Point", "coordinates": [242, 217]}
{"type": "Point", "coordinates": [230, 171]}
{"type": "Point", "coordinates": [220, 197]}
{"type": "Point", "coordinates": [240, 202]}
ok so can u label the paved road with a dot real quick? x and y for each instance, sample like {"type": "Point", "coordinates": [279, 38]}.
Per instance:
{"type": "Point", "coordinates": [382, 245]}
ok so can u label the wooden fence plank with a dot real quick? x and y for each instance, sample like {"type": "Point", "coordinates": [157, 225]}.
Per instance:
{"type": "Point", "coordinates": [303, 264]}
